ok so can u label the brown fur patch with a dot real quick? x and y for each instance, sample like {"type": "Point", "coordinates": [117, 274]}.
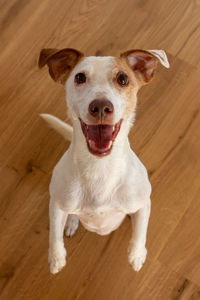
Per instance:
{"type": "Point", "coordinates": [128, 92]}
{"type": "Point", "coordinates": [60, 62]}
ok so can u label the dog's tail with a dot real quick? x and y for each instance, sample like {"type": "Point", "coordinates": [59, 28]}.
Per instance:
{"type": "Point", "coordinates": [63, 128]}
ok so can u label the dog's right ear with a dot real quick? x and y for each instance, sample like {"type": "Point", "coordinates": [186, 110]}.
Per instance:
{"type": "Point", "coordinates": [60, 62]}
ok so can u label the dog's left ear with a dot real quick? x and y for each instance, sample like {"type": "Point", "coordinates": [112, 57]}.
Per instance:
{"type": "Point", "coordinates": [144, 62]}
{"type": "Point", "coordinates": [60, 62]}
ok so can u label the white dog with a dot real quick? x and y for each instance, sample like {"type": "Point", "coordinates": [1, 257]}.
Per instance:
{"type": "Point", "coordinates": [99, 179]}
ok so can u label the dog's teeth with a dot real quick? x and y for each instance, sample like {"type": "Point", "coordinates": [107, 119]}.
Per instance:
{"type": "Point", "coordinates": [110, 144]}
{"type": "Point", "coordinates": [113, 128]}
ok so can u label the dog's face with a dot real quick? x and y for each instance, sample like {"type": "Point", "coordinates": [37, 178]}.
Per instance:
{"type": "Point", "coordinates": [101, 91]}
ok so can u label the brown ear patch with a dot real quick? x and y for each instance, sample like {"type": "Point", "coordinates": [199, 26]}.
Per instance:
{"type": "Point", "coordinates": [45, 54]}
{"type": "Point", "coordinates": [60, 62]}
{"type": "Point", "coordinates": [142, 63]}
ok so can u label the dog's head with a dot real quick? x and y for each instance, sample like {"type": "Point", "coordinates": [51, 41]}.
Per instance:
{"type": "Point", "coordinates": [102, 91]}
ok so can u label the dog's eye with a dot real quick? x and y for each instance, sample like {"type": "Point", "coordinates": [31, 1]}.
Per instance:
{"type": "Point", "coordinates": [80, 78]}
{"type": "Point", "coordinates": [122, 78]}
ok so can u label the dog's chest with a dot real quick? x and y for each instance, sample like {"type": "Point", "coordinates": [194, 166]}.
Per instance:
{"type": "Point", "coordinates": [104, 214]}
{"type": "Point", "coordinates": [101, 215]}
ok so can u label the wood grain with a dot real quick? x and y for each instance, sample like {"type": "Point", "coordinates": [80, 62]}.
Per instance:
{"type": "Point", "coordinates": [166, 137]}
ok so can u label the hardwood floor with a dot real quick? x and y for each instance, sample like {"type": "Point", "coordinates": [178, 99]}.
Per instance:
{"type": "Point", "coordinates": [166, 137]}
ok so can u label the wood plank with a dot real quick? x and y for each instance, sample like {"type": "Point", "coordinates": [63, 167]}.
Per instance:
{"type": "Point", "coordinates": [182, 250]}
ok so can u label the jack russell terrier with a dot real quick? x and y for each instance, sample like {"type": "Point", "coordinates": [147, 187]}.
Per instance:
{"type": "Point", "coordinates": [99, 180]}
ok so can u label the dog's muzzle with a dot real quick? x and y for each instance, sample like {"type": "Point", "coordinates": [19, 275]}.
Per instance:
{"type": "Point", "coordinates": [100, 133]}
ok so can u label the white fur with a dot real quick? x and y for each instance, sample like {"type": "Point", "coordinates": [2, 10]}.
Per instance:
{"type": "Point", "coordinates": [63, 128]}
{"type": "Point", "coordinates": [71, 225]}
{"type": "Point", "coordinates": [161, 55]}
{"type": "Point", "coordinates": [98, 191]}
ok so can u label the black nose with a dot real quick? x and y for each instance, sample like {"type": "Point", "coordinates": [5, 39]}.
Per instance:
{"type": "Point", "coordinates": [101, 108]}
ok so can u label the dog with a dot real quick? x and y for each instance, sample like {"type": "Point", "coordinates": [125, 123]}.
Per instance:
{"type": "Point", "coordinates": [99, 180]}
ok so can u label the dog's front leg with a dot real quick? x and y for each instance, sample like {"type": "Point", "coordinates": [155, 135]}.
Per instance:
{"type": "Point", "coordinates": [57, 251]}
{"type": "Point", "coordinates": [137, 250]}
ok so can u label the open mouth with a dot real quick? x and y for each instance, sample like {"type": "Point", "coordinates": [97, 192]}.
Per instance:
{"type": "Point", "coordinates": [100, 138]}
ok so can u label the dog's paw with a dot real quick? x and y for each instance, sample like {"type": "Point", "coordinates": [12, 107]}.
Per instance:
{"type": "Point", "coordinates": [137, 257]}
{"type": "Point", "coordinates": [71, 225]}
{"type": "Point", "coordinates": [57, 258]}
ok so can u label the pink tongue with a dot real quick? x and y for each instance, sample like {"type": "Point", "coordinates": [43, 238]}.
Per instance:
{"type": "Point", "coordinates": [100, 134]}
